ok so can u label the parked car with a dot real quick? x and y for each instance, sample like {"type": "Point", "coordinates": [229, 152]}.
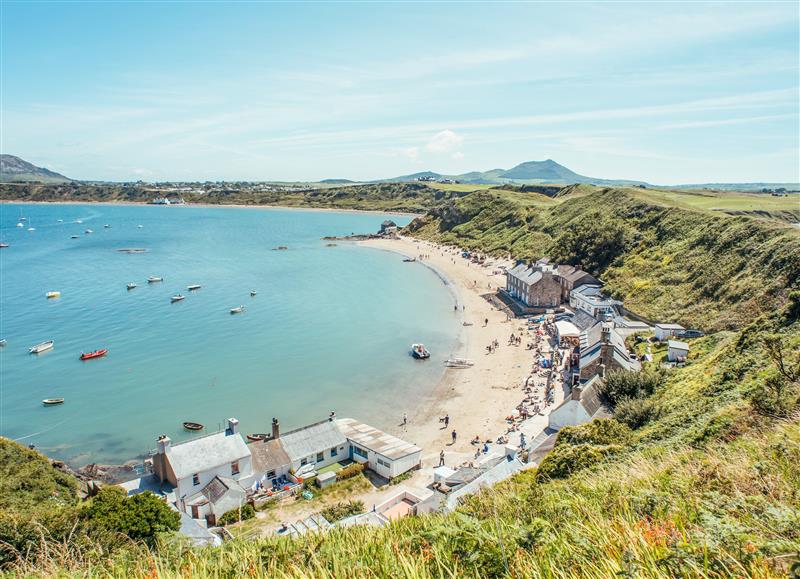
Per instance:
{"type": "Point", "coordinates": [691, 334]}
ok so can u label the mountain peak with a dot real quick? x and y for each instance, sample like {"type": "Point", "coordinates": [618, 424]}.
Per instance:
{"type": "Point", "coordinates": [13, 168]}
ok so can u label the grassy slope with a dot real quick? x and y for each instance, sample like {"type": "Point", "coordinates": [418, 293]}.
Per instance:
{"type": "Point", "coordinates": [668, 262]}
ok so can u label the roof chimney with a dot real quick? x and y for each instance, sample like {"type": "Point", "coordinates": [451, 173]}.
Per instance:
{"type": "Point", "coordinates": [233, 426]}
{"type": "Point", "coordinates": [276, 429]}
{"type": "Point", "coordinates": [577, 390]}
{"type": "Point", "coordinates": [163, 443]}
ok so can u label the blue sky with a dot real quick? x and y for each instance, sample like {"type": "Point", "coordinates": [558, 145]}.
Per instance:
{"type": "Point", "coordinates": [665, 92]}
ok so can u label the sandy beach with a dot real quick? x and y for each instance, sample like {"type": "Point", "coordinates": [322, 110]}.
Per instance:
{"type": "Point", "coordinates": [479, 398]}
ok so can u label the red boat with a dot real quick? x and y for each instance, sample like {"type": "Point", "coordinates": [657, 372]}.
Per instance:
{"type": "Point", "coordinates": [95, 354]}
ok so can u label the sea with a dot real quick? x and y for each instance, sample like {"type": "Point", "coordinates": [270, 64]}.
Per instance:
{"type": "Point", "coordinates": [329, 328]}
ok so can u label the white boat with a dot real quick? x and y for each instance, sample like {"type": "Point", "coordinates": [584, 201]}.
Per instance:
{"type": "Point", "coordinates": [253, 293]}
{"type": "Point", "coordinates": [3, 342]}
{"type": "Point", "coordinates": [238, 310]}
{"type": "Point", "coordinates": [140, 226]}
{"type": "Point", "coordinates": [79, 221]}
{"type": "Point", "coordinates": [107, 226]}
{"type": "Point", "coordinates": [420, 352]}
{"type": "Point", "coordinates": [88, 231]}
{"type": "Point", "coordinates": [177, 298]}
{"type": "Point", "coordinates": [131, 285]}
{"type": "Point", "coordinates": [31, 229]}
{"type": "Point", "coordinates": [20, 225]}
{"type": "Point", "coordinates": [154, 279]}
{"type": "Point", "coordinates": [193, 287]}
{"type": "Point", "coordinates": [22, 218]}
{"type": "Point", "coordinates": [41, 347]}
{"type": "Point", "coordinates": [61, 221]}
{"type": "Point", "coordinates": [52, 401]}
{"type": "Point", "coordinates": [458, 363]}
{"type": "Point", "coordinates": [50, 295]}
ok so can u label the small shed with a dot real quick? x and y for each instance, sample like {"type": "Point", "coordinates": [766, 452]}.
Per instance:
{"type": "Point", "coordinates": [326, 479]}
{"type": "Point", "coordinates": [664, 331]}
{"type": "Point", "coordinates": [677, 351]}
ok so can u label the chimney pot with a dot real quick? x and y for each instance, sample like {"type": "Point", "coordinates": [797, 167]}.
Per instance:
{"type": "Point", "coordinates": [276, 429]}
{"type": "Point", "coordinates": [163, 443]}
{"type": "Point", "coordinates": [233, 426]}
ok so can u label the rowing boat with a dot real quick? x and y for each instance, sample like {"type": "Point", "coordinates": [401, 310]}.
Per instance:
{"type": "Point", "coordinates": [193, 426]}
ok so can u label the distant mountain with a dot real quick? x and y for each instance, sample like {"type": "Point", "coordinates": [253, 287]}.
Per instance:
{"type": "Point", "coordinates": [15, 169]}
{"type": "Point", "coordinates": [337, 181]}
{"type": "Point", "coordinates": [530, 172]}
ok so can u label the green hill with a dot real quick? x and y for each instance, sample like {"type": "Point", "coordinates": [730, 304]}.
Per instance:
{"type": "Point", "coordinates": [15, 169]}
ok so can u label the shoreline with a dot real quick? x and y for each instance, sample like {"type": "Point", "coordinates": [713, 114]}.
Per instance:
{"type": "Point", "coordinates": [220, 205]}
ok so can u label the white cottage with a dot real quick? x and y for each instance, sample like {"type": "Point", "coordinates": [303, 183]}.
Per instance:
{"type": "Point", "coordinates": [382, 453]}
{"type": "Point", "coordinates": [664, 331]}
{"type": "Point", "coordinates": [677, 351]}
{"type": "Point", "coordinates": [583, 405]}
{"type": "Point", "coordinates": [318, 444]}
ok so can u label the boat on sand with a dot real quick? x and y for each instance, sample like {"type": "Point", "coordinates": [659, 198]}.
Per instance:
{"type": "Point", "coordinates": [459, 363]}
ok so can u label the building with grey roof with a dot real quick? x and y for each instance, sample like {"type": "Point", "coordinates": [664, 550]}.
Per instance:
{"type": "Point", "coordinates": [220, 495]}
{"type": "Point", "coordinates": [319, 444]}
{"type": "Point", "coordinates": [584, 404]}
{"type": "Point", "coordinates": [382, 453]}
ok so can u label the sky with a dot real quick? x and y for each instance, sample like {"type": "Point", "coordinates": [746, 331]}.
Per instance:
{"type": "Point", "coordinates": [663, 92]}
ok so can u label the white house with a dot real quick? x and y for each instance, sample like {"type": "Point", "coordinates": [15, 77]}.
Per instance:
{"type": "Point", "coordinates": [590, 299]}
{"type": "Point", "coordinates": [320, 444]}
{"type": "Point", "coordinates": [190, 466]}
{"type": "Point", "coordinates": [383, 453]}
{"type": "Point", "coordinates": [583, 405]}
{"type": "Point", "coordinates": [664, 331]}
{"type": "Point", "coordinates": [677, 351]}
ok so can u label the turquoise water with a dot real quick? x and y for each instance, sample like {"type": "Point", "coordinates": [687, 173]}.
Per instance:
{"type": "Point", "coordinates": [330, 328]}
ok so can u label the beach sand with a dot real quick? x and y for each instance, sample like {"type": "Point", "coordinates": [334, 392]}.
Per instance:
{"type": "Point", "coordinates": [477, 399]}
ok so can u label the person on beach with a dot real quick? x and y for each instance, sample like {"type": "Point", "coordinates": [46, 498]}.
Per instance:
{"type": "Point", "coordinates": [441, 458]}
{"type": "Point", "coordinates": [405, 419]}
{"type": "Point", "coordinates": [446, 420]}
{"type": "Point", "coordinates": [454, 436]}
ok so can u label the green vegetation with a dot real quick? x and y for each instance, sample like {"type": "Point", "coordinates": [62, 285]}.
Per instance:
{"type": "Point", "coordinates": [668, 263]}
{"type": "Point", "coordinates": [237, 515]}
{"type": "Point", "coordinates": [350, 471]}
{"type": "Point", "coordinates": [342, 510]}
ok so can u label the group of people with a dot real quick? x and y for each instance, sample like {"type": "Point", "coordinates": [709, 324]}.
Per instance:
{"type": "Point", "coordinates": [490, 349]}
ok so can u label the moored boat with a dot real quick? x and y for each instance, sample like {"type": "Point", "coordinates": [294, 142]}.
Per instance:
{"type": "Point", "coordinates": [257, 437]}
{"type": "Point", "coordinates": [88, 231]}
{"type": "Point", "coordinates": [131, 285]}
{"type": "Point", "coordinates": [238, 310]}
{"type": "Point", "coordinates": [193, 426]}
{"type": "Point", "coordinates": [3, 342]}
{"type": "Point", "coordinates": [20, 225]}
{"type": "Point", "coordinates": [52, 401]}
{"type": "Point", "coordinates": [74, 236]}
{"type": "Point", "coordinates": [154, 279]}
{"type": "Point", "coordinates": [459, 363]}
{"type": "Point", "coordinates": [50, 295]}
{"type": "Point", "coordinates": [410, 259]}
{"type": "Point", "coordinates": [2, 245]}
{"type": "Point", "coordinates": [420, 352]}
{"type": "Point", "coordinates": [193, 287]}
{"type": "Point", "coordinates": [95, 354]}
{"type": "Point", "coordinates": [177, 298]}
{"type": "Point", "coordinates": [41, 347]}
{"type": "Point", "coordinates": [107, 226]}
{"type": "Point", "coordinates": [253, 293]}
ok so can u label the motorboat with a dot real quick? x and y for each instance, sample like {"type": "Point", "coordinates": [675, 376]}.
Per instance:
{"type": "Point", "coordinates": [60, 220]}
{"type": "Point", "coordinates": [420, 352]}
{"type": "Point", "coordinates": [20, 225]}
{"type": "Point", "coordinates": [257, 437]}
{"type": "Point", "coordinates": [79, 221]}
{"type": "Point", "coordinates": [106, 226]}
{"type": "Point", "coordinates": [139, 226]}
{"type": "Point", "coordinates": [177, 298]}
{"type": "Point", "coordinates": [193, 426]}
{"type": "Point", "coordinates": [88, 231]}
{"type": "Point", "coordinates": [131, 285]}
{"type": "Point", "coordinates": [74, 236]}
{"type": "Point", "coordinates": [44, 346]}
{"type": "Point", "coordinates": [459, 363]}
{"type": "Point", "coordinates": [410, 259]}
{"type": "Point", "coordinates": [52, 401]}
{"type": "Point", "coordinates": [2, 245]}
{"type": "Point", "coordinates": [238, 310]}
{"type": "Point", "coordinates": [31, 229]}
{"type": "Point", "coordinates": [3, 342]}
{"type": "Point", "coordinates": [253, 293]}
{"type": "Point", "coordinates": [193, 287]}
{"type": "Point", "coordinates": [154, 279]}
{"type": "Point", "coordinates": [50, 295]}
{"type": "Point", "coordinates": [95, 354]}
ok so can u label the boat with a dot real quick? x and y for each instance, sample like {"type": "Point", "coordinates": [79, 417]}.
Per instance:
{"type": "Point", "coordinates": [3, 342]}
{"type": "Point", "coordinates": [459, 363]}
{"type": "Point", "coordinates": [238, 310]}
{"type": "Point", "coordinates": [131, 285]}
{"type": "Point", "coordinates": [60, 220]}
{"type": "Point", "coordinates": [88, 231]}
{"type": "Point", "coordinates": [420, 352]}
{"type": "Point", "coordinates": [21, 218]}
{"type": "Point", "coordinates": [74, 236]}
{"type": "Point", "coordinates": [154, 279]}
{"type": "Point", "coordinates": [50, 295]}
{"type": "Point", "coordinates": [95, 354]}
{"type": "Point", "coordinates": [107, 226]}
{"type": "Point", "coordinates": [253, 293]}
{"type": "Point", "coordinates": [410, 259]}
{"type": "Point", "coordinates": [139, 226]}
{"type": "Point", "coordinates": [177, 298]}
{"type": "Point", "coordinates": [2, 245]}
{"type": "Point", "coordinates": [52, 401]}
{"type": "Point", "coordinates": [79, 221]}
{"type": "Point", "coordinates": [41, 347]}
{"type": "Point", "coordinates": [31, 229]}
{"type": "Point", "coordinates": [20, 225]}
{"type": "Point", "coordinates": [257, 437]}
{"type": "Point", "coordinates": [193, 287]}
{"type": "Point", "coordinates": [193, 426]}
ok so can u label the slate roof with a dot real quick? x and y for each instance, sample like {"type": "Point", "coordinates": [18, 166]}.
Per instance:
{"type": "Point", "coordinates": [676, 345]}
{"type": "Point", "coordinates": [526, 273]}
{"type": "Point", "coordinates": [206, 453]}
{"type": "Point", "coordinates": [217, 488]}
{"type": "Point", "coordinates": [670, 326]}
{"type": "Point", "coordinates": [310, 440]}
{"type": "Point", "coordinates": [497, 473]}
{"type": "Point", "coordinates": [574, 274]}
{"type": "Point", "coordinates": [268, 455]}
{"type": "Point", "coordinates": [376, 440]}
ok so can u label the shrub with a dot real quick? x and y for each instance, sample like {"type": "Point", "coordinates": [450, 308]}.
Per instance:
{"type": "Point", "coordinates": [141, 516]}
{"type": "Point", "coordinates": [400, 478]}
{"type": "Point", "coordinates": [636, 412]}
{"type": "Point", "coordinates": [620, 384]}
{"type": "Point", "coordinates": [601, 431]}
{"type": "Point", "coordinates": [343, 510]}
{"type": "Point", "coordinates": [350, 471]}
{"type": "Point", "coordinates": [565, 459]}
{"type": "Point", "coordinates": [232, 516]}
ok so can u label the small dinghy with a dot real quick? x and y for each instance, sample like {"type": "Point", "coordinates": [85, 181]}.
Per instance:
{"type": "Point", "coordinates": [3, 245]}
{"type": "Point", "coordinates": [257, 437]}
{"type": "Point", "coordinates": [3, 342]}
{"type": "Point", "coordinates": [253, 293]}
{"type": "Point", "coordinates": [193, 426]}
{"type": "Point", "coordinates": [139, 226]}
{"type": "Point", "coordinates": [131, 285]}
{"type": "Point", "coordinates": [459, 363]}
{"type": "Point", "coordinates": [238, 310]}
{"type": "Point", "coordinates": [154, 279]}
{"type": "Point", "coordinates": [420, 352]}
{"type": "Point", "coordinates": [79, 221]}
{"type": "Point", "coordinates": [88, 231]}
{"type": "Point", "coordinates": [50, 295]}
{"type": "Point", "coordinates": [44, 346]}
{"type": "Point", "coordinates": [95, 354]}
{"type": "Point", "coordinates": [410, 259]}
{"type": "Point", "coordinates": [193, 287]}
{"type": "Point", "coordinates": [177, 298]}
{"type": "Point", "coordinates": [74, 236]}
{"type": "Point", "coordinates": [107, 226]}
{"type": "Point", "coordinates": [52, 401]}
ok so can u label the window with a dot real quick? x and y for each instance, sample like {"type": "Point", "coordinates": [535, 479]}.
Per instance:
{"type": "Point", "coordinates": [360, 452]}
{"type": "Point", "coordinates": [333, 452]}
{"type": "Point", "coordinates": [384, 463]}
{"type": "Point", "coordinates": [320, 456]}
{"type": "Point", "coordinates": [235, 467]}
{"type": "Point", "coordinates": [270, 474]}
{"type": "Point", "coordinates": [195, 479]}
{"type": "Point", "coordinates": [303, 462]}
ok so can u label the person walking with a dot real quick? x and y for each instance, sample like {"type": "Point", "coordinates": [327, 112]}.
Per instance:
{"type": "Point", "coordinates": [441, 458]}
{"type": "Point", "coordinates": [405, 419]}
{"type": "Point", "coordinates": [454, 435]}
{"type": "Point", "coordinates": [446, 420]}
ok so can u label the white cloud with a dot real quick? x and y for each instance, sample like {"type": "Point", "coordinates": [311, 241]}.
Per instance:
{"type": "Point", "coordinates": [411, 152]}
{"type": "Point", "coordinates": [444, 142]}
{"type": "Point", "coordinates": [458, 155]}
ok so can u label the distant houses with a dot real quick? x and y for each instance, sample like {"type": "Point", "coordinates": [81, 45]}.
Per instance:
{"type": "Point", "coordinates": [543, 285]}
